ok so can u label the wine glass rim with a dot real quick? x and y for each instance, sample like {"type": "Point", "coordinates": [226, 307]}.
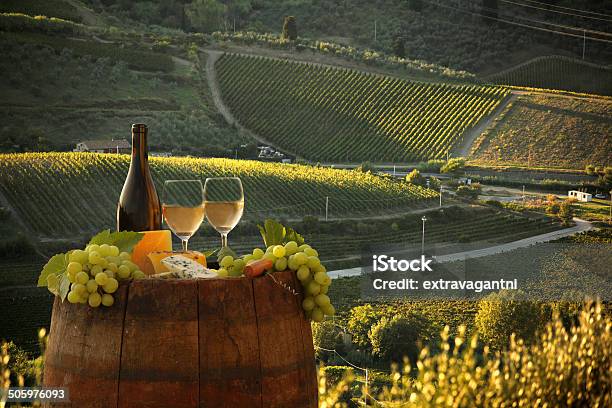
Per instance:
{"type": "Point", "coordinates": [180, 180]}
{"type": "Point", "coordinates": [223, 178]}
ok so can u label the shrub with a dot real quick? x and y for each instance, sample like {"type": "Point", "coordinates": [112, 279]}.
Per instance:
{"type": "Point", "coordinates": [565, 212]}
{"type": "Point", "coordinates": [394, 338]}
{"type": "Point", "coordinates": [415, 177]}
{"type": "Point", "coordinates": [469, 190]}
{"type": "Point", "coordinates": [333, 374]}
{"type": "Point", "coordinates": [504, 313]}
{"type": "Point", "coordinates": [290, 28]}
{"type": "Point", "coordinates": [455, 166]}
{"type": "Point", "coordinates": [360, 321]}
{"type": "Point", "coordinates": [329, 336]}
{"type": "Point", "coordinates": [563, 368]}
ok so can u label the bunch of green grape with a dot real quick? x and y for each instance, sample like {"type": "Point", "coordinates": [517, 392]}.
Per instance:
{"type": "Point", "coordinates": [94, 274]}
{"type": "Point", "coordinates": [312, 275]}
{"type": "Point", "coordinates": [228, 266]}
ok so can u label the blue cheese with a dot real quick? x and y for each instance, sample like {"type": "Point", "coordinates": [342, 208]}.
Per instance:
{"type": "Point", "coordinates": [182, 267]}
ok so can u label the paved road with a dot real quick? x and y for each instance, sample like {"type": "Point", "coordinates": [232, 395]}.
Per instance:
{"type": "Point", "coordinates": [580, 226]}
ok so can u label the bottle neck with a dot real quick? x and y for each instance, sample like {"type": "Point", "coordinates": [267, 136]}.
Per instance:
{"type": "Point", "coordinates": [140, 151]}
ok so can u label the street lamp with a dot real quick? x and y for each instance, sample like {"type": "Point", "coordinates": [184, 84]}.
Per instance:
{"type": "Point", "coordinates": [423, 237]}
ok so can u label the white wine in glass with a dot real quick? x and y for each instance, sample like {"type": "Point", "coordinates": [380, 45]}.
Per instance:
{"type": "Point", "coordinates": [183, 208]}
{"type": "Point", "coordinates": [224, 204]}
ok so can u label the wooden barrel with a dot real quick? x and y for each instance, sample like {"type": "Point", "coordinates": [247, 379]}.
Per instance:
{"type": "Point", "coordinates": [186, 343]}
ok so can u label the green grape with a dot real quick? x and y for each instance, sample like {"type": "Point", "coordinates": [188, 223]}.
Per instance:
{"type": "Point", "coordinates": [303, 273]}
{"type": "Point", "coordinates": [239, 264]}
{"type": "Point", "coordinates": [278, 251]}
{"type": "Point", "coordinates": [95, 270]}
{"type": "Point", "coordinates": [258, 253]}
{"type": "Point", "coordinates": [291, 247]}
{"type": "Point", "coordinates": [270, 256]}
{"type": "Point", "coordinates": [300, 258]}
{"type": "Point", "coordinates": [247, 259]}
{"type": "Point", "coordinates": [109, 273]}
{"type": "Point", "coordinates": [222, 273]}
{"type": "Point", "coordinates": [94, 299]}
{"type": "Point", "coordinates": [292, 264]}
{"type": "Point", "coordinates": [83, 299]}
{"type": "Point", "coordinates": [107, 300]}
{"type": "Point", "coordinates": [329, 310]}
{"type": "Point", "coordinates": [78, 255]}
{"type": "Point", "coordinates": [112, 266]}
{"type": "Point", "coordinates": [114, 251]}
{"type": "Point", "coordinates": [319, 277]}
{"type": "Point", "coordinates": [93, 248]}
{"type": "Point", "coordinates": [82, 277]}
{"type": "Point", "coordinates": [103, 263]}
{"type": "Point", "coordinates": [311, 252]}
{"type": "Point", "coordinates": [79, 288]}
{"type": "Point", "coordinates": [125, 256]}
{"type": "Point", "coordinates": [281, 264]}
{"type": "Point", "coordinates": [123, 272]}
{"type": "Point", "coordinates": [302, 247]}
{"type": "Point", "coordinates": [111, 285]}
{"type": "Point", "coordinates": [86, 267]}
{"type": "Point", "coordinates": [313, 262]}
{"type": "Point", "coordinates": [72, 277]}
{"type": "Point", "coordinates": [91, 286]}
{"type": "Point", "coordinates": [322, 300]}
{"type": "Point", "coordinates": [308, 303]}
{"type": "Point", "coordinates": [101, 278]}
{"type": "Point", "coordinates": [313, 288]}
{"type": "Point", "coordinates": [104, 250]}
{"type": "Point", "coordinates": [95, 258]}
{"type": "Point", "coordinates": [52, 281]}
{"type": "Point", "coordinates": [324, 289]}
{"type": "Point", "coordinates": [317, 315]}
{"type": "Point", "coordinates": [138, 274]}
{"type": "Point", "coordinates": [320, 268]}
{"type": "Point", "coordinates": [115, 259]}
{"type": "Point", "coordinates": [74, 297]}
{"type": "Point", "coordinates": [227, 261]}
{"type": "Point", "coordinates": [74, 267]}
{"type": "Point", "coordinates": [130, 265]}
{"type": "Point", "coordinates": [327, 280]}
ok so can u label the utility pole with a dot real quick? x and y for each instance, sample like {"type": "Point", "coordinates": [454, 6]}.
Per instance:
{"type": "Point", "coordinates": [610, 207]}
{"type": "Point", "coordinates": [523, 194]}
{"type": "Point", "coordinates": [374, 30]}
{"type": "Point", "coordinates": [423, 237]}
{"type": "Point", "coordinates": [440, 194]}
{"type": "Point", "coordinates": [326, 207]}
{"type": "Point", "coordinates": [583, 43]}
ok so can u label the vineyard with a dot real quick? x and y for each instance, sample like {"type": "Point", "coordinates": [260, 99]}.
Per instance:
{"type": "Point", "coordinates": [330, 114]}
{"type": "Point", "coordinates": [557, 72]}
{"type": "Point", "coordinates": [549, 130]}
{"type": "Point", "coordinates": [78, 193]}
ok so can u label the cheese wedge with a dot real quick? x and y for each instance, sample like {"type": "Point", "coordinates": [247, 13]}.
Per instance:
{"type": "Point", "coordinates": [181, 266]}
{"type": "Point", "coordinates": [152, 241]}
{"type": "Point", "coordinates": [155, 263]}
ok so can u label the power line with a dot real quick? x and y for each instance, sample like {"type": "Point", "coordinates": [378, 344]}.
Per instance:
{"type": "Point", "coordinates": [554, 11]}
{"type": "Point", "coordinates": [518, 24]}
{"type": "Point", "coordinates": [569, 8]}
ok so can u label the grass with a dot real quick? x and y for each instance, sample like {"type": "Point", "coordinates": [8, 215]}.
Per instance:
{"type": "Point", "coordinates": [546, 130]}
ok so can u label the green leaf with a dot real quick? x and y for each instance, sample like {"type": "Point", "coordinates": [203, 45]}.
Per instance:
{"type": "Point", "coordinates": [292, 235]}
{"type": "Point", "coordinates": [56, 265]}
{"type": "Point", "coordinates": [272, 233]}
{"type": "Point", "coordinates": [124, 240]}
{"type": "Point", "coordinates": [223, 252]}
{"type": "Point", "coordinates": [103, 237]}
{"type": "Point", "coordinates": [64, 286]}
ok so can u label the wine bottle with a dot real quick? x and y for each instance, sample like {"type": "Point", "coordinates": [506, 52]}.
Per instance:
{"type": "Point", "coordinates": [139, 208]}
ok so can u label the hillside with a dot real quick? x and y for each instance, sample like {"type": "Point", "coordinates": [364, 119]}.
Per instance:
{"type": "Point", "coordinates": [78, 193]}
{"type": "Point", "coordinates": [556, 72]}
{"type": "Point", "coordinates": [329, 114]}
{"type": "Point", "coordinates": [549, 130]}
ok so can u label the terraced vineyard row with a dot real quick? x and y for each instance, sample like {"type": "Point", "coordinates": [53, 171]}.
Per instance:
{"type": "Point", "coordinates": [331, 114]}
{"type": "Point", "coordinates": [557, 72]}
{"type": "Point", "coordinates": [78, 192]}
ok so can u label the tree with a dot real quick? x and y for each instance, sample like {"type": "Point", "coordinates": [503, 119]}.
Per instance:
{"type": "Point", "coordinates": [589, 169]}
{"type": "Point", "coordinates": [398, 47]}
{"type": "Point", "coordinates": [290, 28]}
{"type": "Point", "coordinates": [566, 212]}
{"type": "Point", "coordinates": [605, 178]}
{"type": "Point", "coordinates": [205, 15]}
{"type": "Point", "coordinates": [414, 177]}
{"type": "Point", "coordinates": [455, 166]}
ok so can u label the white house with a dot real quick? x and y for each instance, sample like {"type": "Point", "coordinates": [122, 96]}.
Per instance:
{"type": "Point", "coordinates": [580, 196]}
{"type": "Point", "coordinates": [104, 146]}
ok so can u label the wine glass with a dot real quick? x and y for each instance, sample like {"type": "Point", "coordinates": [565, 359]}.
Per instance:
{"type": "Point", "coordinates": [183, 208]}
{"type": "Point", "coordinates": [224, 203]}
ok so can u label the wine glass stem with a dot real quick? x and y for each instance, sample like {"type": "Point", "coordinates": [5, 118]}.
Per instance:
{"type": "Point", "coordinates": [184, 242]}
{"type": "Point", "coordinates": [223, 240]}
